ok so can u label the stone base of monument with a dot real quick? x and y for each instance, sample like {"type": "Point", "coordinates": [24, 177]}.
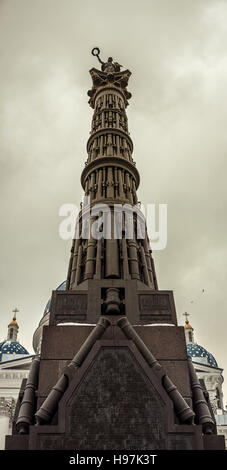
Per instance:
{"type": "Point", "coordinates": [115, 399]}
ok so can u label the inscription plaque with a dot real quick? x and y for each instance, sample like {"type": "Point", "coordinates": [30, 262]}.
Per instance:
{"type": "Point", "coordinates": [71, 303]}
{"type": "Point", "coordinates": [157, 307]}
{"type": "Point", "coordinates": [154, 302]}
{"type": "Point", "coordinates": [68, 307]}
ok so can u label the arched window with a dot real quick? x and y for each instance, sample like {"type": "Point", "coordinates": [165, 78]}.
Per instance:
{"type": "Point", "coordinates": [190, 336]}
{"type": "Point", "coordinates": [11, 333]}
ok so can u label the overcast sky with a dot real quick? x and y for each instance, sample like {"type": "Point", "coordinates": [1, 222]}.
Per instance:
{"type": "Point", "coordinates": [176, 51]}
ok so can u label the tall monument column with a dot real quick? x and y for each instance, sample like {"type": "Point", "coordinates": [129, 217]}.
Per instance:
{"type": "Point", "coordinates": [113, 372]}
{"type": "Point", "coordinates": [110, 177]}
{"type": "Point", "coordinates": [114, 255]}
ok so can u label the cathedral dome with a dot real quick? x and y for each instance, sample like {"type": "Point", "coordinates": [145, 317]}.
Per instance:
{"type": "Point", "coordinates": [200, 354]}
{"type": "Point", "coordinates": [37, 336]}
{"type": "Point", "coordinates": [11, 350]}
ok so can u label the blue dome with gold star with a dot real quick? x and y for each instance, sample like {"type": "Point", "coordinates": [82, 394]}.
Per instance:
{"type": "Point", "coordinates": [200, 354]}
{"type": "Point", "coordinates": [11, 350]}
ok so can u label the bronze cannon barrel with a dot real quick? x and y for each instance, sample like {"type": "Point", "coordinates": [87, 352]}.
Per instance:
{"type": "Point", "coordinates": [183, 411]}
{"type": "Point", "coordinates": [201, 407]}
{"type": "Point", "coordinates": [26, 413]}
{"type": "Point", "coordinates": [49, 406]}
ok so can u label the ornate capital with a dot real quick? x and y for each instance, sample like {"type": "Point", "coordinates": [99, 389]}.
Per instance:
{"type": "Point", "coordinates": [105, 79]}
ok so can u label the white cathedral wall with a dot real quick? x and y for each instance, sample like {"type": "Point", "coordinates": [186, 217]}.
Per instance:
{"type": "Point", "coordinates": [223, 431]}
{"type": "Point", "coordinates": [10, 383]}
{"type": "Point", "coordinates": [213, 381]}
{"type": "Point", "coordinates": [4, 429]}
{"type": "Point", "coordinates": [7, 409]}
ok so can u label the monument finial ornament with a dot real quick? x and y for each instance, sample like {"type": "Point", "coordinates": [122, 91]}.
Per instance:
{"type": "Point", "coordinates": [110, 75]}
{"type": "Point", "coordinates": [109, 66]}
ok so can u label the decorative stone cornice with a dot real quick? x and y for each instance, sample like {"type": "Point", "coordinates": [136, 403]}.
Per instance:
{"type": "Point", "coordinates": [109, 130]}
{"type": "Point", "coordinates": [101, 162]}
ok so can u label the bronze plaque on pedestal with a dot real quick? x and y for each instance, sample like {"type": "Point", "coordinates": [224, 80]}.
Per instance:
{"type": "Point", "coordinates": [157, 307]}
{"type": "Point", "coordinates": [68, 306]}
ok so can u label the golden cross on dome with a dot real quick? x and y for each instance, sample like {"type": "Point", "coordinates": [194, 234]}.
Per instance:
{"type": "Point", "coordinates": [186, 315]}
{"type": "Point", "coordinates": [15, 311]}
